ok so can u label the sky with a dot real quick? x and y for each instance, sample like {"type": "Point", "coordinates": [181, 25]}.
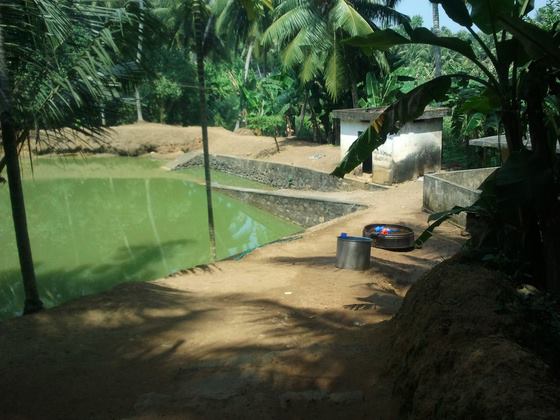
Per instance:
{"type": "Point", "coordinates": [424, 9]}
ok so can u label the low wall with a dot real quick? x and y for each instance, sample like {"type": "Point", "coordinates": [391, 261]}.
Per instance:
{"type": "Point", "coordinates": [445, 190]}
{"type": "Point", "coordinates": [305, 211]}
{"type": "Point", "coordinates": [275, 174]}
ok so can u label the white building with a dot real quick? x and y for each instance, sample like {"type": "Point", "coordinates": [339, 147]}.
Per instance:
{"type": "Point", "coordinates": [412, 152]}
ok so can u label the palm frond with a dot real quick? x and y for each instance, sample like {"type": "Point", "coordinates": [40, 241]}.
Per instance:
{"type": "Point", "coordinates": [345, 17]}
{"type": "Point", "coordinates": [287, 26]}
{"type": "Point", "coordinates": [335, 71]}
{"type": "Point", "coordinates": [63, 62]}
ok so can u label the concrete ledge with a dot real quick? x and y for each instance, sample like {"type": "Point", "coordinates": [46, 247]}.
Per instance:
{"type": "Point", "coordinates": [304, 210]}
{"type": "Point", "coordinates": [444, 190]}
{"type": "Point", "coordinates": [275, 174]}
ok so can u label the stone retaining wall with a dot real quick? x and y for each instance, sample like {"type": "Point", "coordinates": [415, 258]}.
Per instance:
{"type": "Point", "coordinates": [305, 211]}
{"type": "Point", "coordinates": [274, 174]}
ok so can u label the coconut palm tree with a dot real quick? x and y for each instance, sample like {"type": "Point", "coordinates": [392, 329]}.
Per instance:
{"type": "Point", "coordinates": [190, 22]}
{"type": "Point", "coordinates": [177, 17]}
{"type": "Point", "coordinates": [309, 33]}
{"type": "Point", "coordinates": [199, 17]}
{"type": "Point", "coordinates": [138, 99]}
{"type": "Point", "coordinates": [437, 50]}
{"type": "Point", "coordinates": [9, 142]}
{"type": "Point", "coordinates": [57, 67]}
{"type": "Point", "coordinates": [243, 25]}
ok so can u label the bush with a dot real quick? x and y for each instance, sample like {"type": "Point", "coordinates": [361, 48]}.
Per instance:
{"type": "Point", "coordinates": [268, 125]}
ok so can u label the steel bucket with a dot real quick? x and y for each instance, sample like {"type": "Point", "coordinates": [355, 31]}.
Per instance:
{"type": "Point", "coordinates": [353, 252]}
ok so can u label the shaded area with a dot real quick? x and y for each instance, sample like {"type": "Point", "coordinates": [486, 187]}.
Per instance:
{"type": "Point", "coordinates": [467, 344]}
{"type": "Point", "coordinates": [462, 346]}
{"type": "Point", "coordinates": [169, 352]}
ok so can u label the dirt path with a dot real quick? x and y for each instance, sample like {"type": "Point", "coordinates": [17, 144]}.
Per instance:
{"type": "Point", "coordinates": [270, 336]}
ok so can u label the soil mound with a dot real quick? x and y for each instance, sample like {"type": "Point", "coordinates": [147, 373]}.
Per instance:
{"type": "Point", "coordinates": [244, 132]}
{"type": "Point", "coordinates": [467, 344]}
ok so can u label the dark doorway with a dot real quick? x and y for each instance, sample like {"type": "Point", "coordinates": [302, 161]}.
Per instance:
{"type": "Point", "coordinates": [367, 166]}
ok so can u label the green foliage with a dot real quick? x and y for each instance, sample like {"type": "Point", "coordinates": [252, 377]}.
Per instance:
{"type": "Point", "coordinates": [223, 92]}
{"type": "Point", "coordinates": [309, 37]}
{"type": "Point", "coordinates": [63, 61]}
{"type": "Point", "coordinates": [549, 15]}
{"type": "Point", "coordinates": [520, 62]}
{"type": "Point", "coordinates": [165, 91]}
{"type": "Point", "coordinates": [382, 91]}
{"type": "Point", "coordinates": [267, 125]}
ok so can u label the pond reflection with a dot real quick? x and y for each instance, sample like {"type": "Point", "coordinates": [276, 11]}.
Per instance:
{"type": "Point", "coordinates": [90, 233]}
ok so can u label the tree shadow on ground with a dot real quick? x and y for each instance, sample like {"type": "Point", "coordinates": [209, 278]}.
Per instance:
{"type": "Point", "coordinates": [168, 352]}
{"type": "Point", "coordinates": [163, 351]}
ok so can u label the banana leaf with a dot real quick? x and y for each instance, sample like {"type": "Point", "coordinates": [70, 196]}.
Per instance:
{"type": "Point", "coordinates": [387, 38]}
{"type": "Point", "coordinates": [537, 42]}
{"type": "Point", "coordinates": [457, 11]}
{"type": "Point", "coordinates": [409, 107]}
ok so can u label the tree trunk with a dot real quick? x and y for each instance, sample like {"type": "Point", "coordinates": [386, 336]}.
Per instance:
{"type": "Point", "coordinates": [242, 110]}
{"type": "Point", "coordinates": [248, 61]}
{"type": "Point", "coordinates": [139, 116]}
{"type": "Point", "coordinates": [354, 92]}
{"type": "Point", "coordinates": [204, 124]}
{"type": "Point", "coordinates": [512, 127]}
{"type": "Point", "coordinates": [543, 155]}
{"type": "Point", "coordinates": [302, 114]}
{"type": "Point", "coordinates": [10, 144]}
{"type": "Point", "coordinates": [161, 113]}
{"type": "Point", "coordinates": [32, 301]}
{"type": "Point", "coordinates": [207, 32]}
{"type": "Point", "coordinates": [316, 133]}
{"type": "Point", "coordinates": [437, 50]}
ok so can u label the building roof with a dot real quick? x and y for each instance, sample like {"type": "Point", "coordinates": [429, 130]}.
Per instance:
{"type": "Point", "coordinates": [369, 114]}
{"type": "Point", "coordinates": [500, 142]}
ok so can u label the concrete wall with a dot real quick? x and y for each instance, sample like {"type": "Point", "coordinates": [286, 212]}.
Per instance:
{"type": "Point", "coordinates": [412, 152]}
{"type": "Point", "coordinates": [274, 174]}
{"type": "Point", "coordinates": [305, 211]}
{"type": "Point", "coordinates": [445, 190]}
{"type": "Point", "coordinates": [349, 133]}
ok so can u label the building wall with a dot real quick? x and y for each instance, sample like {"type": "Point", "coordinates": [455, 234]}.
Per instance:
{"type": "Point", "coordinates": [349, 133]}
{"type": "Point", "coordinates": [412, 152]}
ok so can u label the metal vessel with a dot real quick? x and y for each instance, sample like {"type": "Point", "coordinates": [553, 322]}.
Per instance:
{"type": "Point", "coordinates": [353, 252]}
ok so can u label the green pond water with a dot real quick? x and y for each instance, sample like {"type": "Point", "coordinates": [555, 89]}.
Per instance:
{"type": "Point", "coordinates": [102, 221]}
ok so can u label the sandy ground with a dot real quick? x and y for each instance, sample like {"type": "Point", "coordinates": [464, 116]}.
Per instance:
{"type": "Point", "coordinates": [169, 141]}
{"type": "Point", "coordinates": [321, 157]}
{"type": "Point", "coordinates": [279, 334]}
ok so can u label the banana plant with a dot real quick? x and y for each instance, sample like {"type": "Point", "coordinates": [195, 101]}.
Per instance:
{"type": "Point", "coordinates": [520, 68]}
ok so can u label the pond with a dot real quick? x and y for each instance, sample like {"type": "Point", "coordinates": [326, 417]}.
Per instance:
{"type": "Point", "coordinates": [98, 222]}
